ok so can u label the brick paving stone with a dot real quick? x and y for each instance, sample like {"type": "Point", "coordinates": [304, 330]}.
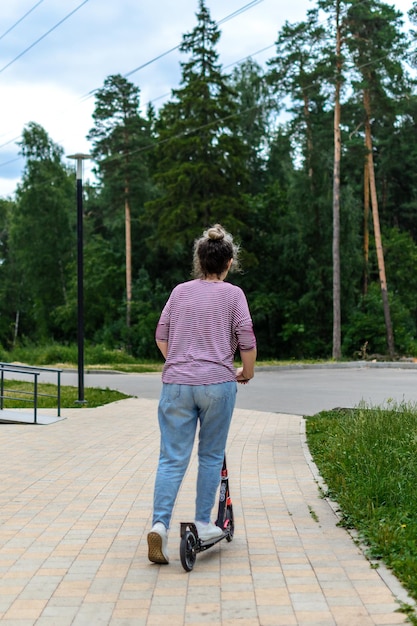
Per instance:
{"type": "Point", "coordinates": [76, 506]}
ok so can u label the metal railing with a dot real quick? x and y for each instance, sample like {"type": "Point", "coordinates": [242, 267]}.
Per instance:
{"type": "Point", "coordinates": [24, 371]}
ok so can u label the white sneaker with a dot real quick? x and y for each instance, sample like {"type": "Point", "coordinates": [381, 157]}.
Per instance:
{"type": "Point", "coordinates": [209, 531]}
{"type": "Point", "coordinates": [157, 544]}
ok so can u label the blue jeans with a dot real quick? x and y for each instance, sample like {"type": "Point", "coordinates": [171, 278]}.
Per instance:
{"type": "Point", "coordinates": [181, 408]}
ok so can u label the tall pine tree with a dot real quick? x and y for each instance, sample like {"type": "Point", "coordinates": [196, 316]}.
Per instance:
{"type": "Point", "coordinates": [201, 172]}
{"type": "Point", "coordinates": [121, 141]}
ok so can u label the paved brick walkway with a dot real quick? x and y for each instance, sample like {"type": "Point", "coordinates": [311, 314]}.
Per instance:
{"type": "Point", "coordinates": [75, 509]}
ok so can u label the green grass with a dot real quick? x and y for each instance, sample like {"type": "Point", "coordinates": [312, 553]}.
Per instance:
{"type": "Point", "coordinates": [367, 457]}
{"type": "Point", "coordinates": [47, 396]}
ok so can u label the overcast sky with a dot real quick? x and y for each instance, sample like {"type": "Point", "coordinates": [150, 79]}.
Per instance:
{"type": "Point", "coordinates": [54, 54]}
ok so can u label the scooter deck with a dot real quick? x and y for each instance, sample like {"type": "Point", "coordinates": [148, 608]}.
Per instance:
{"type": "Point", "coordinates": [201, 545]}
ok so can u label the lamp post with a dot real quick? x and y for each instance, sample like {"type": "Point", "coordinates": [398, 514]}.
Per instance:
{"type": "Point", "coordinates": [80, 271]}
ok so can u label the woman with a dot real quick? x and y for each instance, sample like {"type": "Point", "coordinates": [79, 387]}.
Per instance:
{"type": "Point", "coordinates": [203, 323]}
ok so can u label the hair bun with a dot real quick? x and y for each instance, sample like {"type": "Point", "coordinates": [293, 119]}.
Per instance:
{"type": "Point", "coordinates": [216, 232]}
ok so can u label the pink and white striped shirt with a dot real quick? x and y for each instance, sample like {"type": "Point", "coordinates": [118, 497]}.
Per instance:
{"type": "Point", "coordinates": [204, 324]}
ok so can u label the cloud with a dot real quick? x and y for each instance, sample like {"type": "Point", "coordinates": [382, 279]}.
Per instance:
{"type": "Point", "coordinates": [8, 187]}
{"type": "Point", "coordinates": [51, 105]}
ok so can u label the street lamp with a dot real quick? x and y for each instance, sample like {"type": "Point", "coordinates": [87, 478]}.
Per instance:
{"type": "Point", "coordinates": [80, 158]}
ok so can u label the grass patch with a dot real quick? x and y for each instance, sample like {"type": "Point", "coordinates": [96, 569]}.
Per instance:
{"type": "Point", "coordinates": [98, 357]}
{"type": "Point", "coordinates": [127, 368]}
{"type": "Point", "coordinates": [368, 459]}
{"type": "Point", "coordinates": [66, 356]}
{"type": "Point", "coordinates": [19, 395]}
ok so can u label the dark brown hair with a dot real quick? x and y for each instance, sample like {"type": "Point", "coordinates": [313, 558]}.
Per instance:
{"type": "Point", "coordinates": [213, 251]}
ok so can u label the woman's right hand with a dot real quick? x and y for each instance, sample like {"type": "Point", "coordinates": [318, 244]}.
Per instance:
{"type": "Point", "coordinates": [240, 377]}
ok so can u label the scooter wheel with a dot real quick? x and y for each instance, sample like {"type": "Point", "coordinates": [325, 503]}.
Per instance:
{"type": "Point", "coordinates": [187, 550]}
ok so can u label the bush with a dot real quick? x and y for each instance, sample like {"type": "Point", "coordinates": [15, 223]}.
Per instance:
{"type": "Point", "coordinates": [366, 326]}
{"type": "Point", "coordinates": [54, 354]}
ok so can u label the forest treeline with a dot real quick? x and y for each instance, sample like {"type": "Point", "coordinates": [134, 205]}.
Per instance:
{"type": "Point", "coordinates": [310, 162]}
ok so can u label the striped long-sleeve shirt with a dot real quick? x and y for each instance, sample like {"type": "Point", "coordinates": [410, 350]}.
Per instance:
{"type": "Point", "coordinates": [204, 324]}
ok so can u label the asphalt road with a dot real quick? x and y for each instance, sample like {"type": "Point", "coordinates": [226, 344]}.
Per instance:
{"type": "Point", "coordinates": [296, 390]}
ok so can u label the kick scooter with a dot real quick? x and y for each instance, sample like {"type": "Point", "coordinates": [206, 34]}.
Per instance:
{"type": "Point", "coordinates": [191, 544]}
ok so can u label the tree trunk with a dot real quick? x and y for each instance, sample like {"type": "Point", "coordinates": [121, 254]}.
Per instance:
{"type": "Point", "coordinates": [377, 229]}
{"type": "Point", "coordinates": [365, 227]}
{"type": "Point", "coordinates": [16, 328]}
{"type": "Point", "coordinates": [309, 135]}
{"type": "Point", "coordinates": [128, 236]}
{"type": "Point", "coordinates": [337, 350]}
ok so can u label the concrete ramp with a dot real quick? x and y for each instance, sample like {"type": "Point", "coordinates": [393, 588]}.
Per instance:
{"type": "Point", "coordinates": [17, 416]}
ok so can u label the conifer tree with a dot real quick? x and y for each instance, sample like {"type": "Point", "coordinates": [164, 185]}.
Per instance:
{"type": "Point", "coordinates": [121, 141]}
{"type": "Point", "coordinates": [42, 232]}
{"type": "Point", "coordinates": [201, 173]}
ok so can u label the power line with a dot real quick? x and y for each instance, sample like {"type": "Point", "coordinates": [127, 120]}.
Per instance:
{"type": "Point", "coordinates": [43, 36]}
{"type": "Point", "coordinates": [140, 67]}
{"type": "Point", "coordinates": [239, 11]}
{"type": "Point", "coordinates": [7, 143]}
{"type": "Point", "coordinates": [247, 57]}
{"type": "Point", "coordinates": [11, 161]}
{"type": "Point", "coordinates": [222, 21]}
{"type": "Point", "coordinates": [20, 20]}
{"type": "Point", "coordinates": [242, 9]}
